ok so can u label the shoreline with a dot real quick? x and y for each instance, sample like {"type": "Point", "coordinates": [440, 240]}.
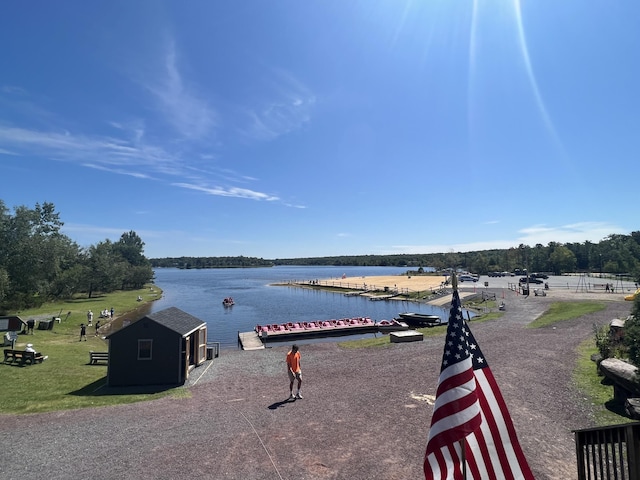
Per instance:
{"type": "Point", "coordinates": [404, 288]}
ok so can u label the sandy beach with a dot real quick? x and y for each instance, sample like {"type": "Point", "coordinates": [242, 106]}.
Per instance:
{"type": "Point", "coordinates": [413, 283]}
{"type": "Point", "coordinates": [561, 287]}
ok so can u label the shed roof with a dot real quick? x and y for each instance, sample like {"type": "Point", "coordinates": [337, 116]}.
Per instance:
{"type": "Point", "coordinates": [175, 319]}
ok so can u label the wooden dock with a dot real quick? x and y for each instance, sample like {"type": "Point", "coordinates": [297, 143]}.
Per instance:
{"type": "Point", "coordinates": [250, 341]}
{"type": "Point", "coordinates": [406, 336]}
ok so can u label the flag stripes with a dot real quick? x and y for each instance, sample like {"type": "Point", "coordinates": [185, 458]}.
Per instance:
{"type": "Point", "coordinates": [471, 435]}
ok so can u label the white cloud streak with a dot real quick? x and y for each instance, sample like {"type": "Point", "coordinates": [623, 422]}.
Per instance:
{"type": "Point", "coordinates": [229, 192]}
{"type": "Point", "coordinates": [542, 234]}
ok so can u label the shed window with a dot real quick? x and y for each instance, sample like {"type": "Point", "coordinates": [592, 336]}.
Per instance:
{"type": "Point", "coordinates": [145, 347]}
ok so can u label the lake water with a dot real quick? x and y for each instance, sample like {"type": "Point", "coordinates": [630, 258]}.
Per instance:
{"type": "Point", "coordinates": [200, 293]}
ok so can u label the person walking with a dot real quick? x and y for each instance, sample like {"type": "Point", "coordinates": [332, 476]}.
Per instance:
{"type": "Point", "coordinates": [90, 317]}
{"type": "Point", "coordinates": [294, 371]}
{"type": "Point", "coordinates": [83, 332]}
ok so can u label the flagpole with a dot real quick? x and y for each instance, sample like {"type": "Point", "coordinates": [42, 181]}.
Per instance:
{"type": "Point", "coordinates": [463, 456]}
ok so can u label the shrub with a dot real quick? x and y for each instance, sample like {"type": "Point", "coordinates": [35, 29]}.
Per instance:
{"type": "Point", "coordinates": [603, 341]}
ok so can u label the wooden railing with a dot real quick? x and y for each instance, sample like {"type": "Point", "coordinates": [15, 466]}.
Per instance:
{"type": "Point", "coordinates": [609, 453]}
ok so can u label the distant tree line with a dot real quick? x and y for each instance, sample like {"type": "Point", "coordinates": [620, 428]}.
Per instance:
{"type": "Point", "coordinates": [40, 264]}
{"type": "Point", "coordinates": [616, 254]}
{"type": "Point", "coordinates": [210, 262]}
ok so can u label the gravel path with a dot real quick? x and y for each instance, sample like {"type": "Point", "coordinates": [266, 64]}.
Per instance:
{"type": "Point", "coordinates": [365, 414]}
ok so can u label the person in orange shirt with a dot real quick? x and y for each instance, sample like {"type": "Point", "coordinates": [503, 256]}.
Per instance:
{"type": "Point", "coordinates": [294, 371]}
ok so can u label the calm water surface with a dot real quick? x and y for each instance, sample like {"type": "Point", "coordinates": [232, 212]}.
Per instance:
{"type": "Point", "coordinates": [200, 293]}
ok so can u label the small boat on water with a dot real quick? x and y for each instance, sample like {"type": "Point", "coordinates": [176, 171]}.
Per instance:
{"type": "Point", "coordinates": [394, 325]}
{"type": "Point", "coordinates": [228, 302]}
{"type": "Point", "coordinates": [318, 328]}
{"type": "Point", "coordinates": [420, 319]}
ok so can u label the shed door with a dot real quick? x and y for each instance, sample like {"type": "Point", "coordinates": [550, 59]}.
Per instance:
{"type": "Point", "coordinates": [187, 354]}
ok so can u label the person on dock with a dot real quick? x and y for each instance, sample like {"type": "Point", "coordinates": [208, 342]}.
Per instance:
{"type": "Point", "coordinates": [294, 371]}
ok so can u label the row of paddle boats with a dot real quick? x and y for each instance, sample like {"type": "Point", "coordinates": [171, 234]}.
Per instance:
{"type": "Point", "coordinates": [345, 326]}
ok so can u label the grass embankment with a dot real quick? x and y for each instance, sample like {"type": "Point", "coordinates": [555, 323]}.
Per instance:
{"type": "Point", "coordinates": [560, 311]}
{"type": "Point", "coordinates": [585, 376]}
{"type": "Point", "coordinates": [65, 380]}
{"type": "Point", "coordinates": [597, 392]}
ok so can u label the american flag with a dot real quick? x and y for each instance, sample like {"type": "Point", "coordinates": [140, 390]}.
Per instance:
{"type": "Point", "coordinates": [471, 434]}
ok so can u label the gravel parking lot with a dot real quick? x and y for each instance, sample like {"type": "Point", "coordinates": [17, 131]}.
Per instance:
{"type": "Point", "coordinates": [365, 412]}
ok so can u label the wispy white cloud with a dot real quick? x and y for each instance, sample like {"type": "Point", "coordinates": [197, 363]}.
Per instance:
{"type": "Point", "coordinates": [531, 236]}
{"type": "Point", "coordinates": [183, 107]}
{"type": "Point", "coordinates": [137, 148]}
{"type": "Point", "coordinates": [89, 150]}
{"type": "Point", "coordinates": [571, 233]}
{"type": "Point", "coordinates": [123, 157]}
{"type": "Point", "coordinates": [287, 107]}
{"type": "Point", "coordinates": [292, 205]}
{"type": "Point", "coordinates": [229, 192]}
{"type": "Point", "coordinates": [119, 171]}
{"type": "Point", "coordinates": [12, 90]}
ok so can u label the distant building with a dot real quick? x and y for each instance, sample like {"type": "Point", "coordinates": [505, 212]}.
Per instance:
{"type": "Point", "coordinates": [159, 349]}
{"type": "Point", "coordinates": [12, 324]}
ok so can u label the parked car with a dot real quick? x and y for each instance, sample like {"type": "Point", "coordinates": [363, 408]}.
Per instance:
{"type": "Point", "coordinates": [532, 279]}
{"type": "Point", "coordinates": [467, 278]}
{"type": "Point", "coordinates": [540, 275]}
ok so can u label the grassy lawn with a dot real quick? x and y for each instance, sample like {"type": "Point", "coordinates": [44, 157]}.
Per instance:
{"type": "Point", "coordinates": [65, 380]}
{"type": "Point", "coordinates": [607, 410]}
{"type": "Point", "coordinates": [383, 339]}
{"type": "Point", "coordinates": [560, 311]}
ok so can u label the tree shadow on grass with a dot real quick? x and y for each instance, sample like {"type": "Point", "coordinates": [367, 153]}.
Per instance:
{"type": "Point", "coordinates": [99, 388]}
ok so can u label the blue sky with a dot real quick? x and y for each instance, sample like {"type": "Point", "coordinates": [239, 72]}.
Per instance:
{"type": "Point", "coordinates": [282, 129]}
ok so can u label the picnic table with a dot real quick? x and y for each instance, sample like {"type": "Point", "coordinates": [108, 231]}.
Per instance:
{"type": "Point", "coordinates": [22, 357]}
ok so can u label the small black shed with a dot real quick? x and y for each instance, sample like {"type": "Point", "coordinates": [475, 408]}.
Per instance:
{"type": "Point", "coordinates": [159, 349]}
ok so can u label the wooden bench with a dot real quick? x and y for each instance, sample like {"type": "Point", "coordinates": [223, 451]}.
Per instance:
{"type": "Point", "coordinates": [22, 357]}
{"type": "Point", "coordinates": [95, 357]}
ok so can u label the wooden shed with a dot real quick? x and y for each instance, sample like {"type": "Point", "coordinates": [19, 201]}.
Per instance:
{"type": "Point", "coordinates": [159, 349]}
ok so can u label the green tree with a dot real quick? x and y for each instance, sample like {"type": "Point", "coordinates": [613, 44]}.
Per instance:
{"type": "Point", "coordinates": [562, 260]}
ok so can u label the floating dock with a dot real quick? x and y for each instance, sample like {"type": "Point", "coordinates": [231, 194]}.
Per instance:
{"type": "Point", "coordinates": [406, 336]}
{"type": "Point", "coordinates": [250, 341]}
{"type": "Point", "coordinates": [256, 339]}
